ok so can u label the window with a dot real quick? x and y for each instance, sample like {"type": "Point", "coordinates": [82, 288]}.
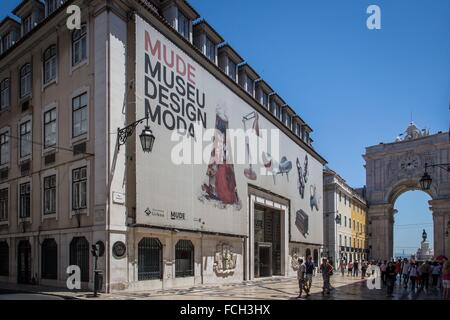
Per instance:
{"type": "Point", "coordinates": [4, 94]}
{"type": "Point", "coordinates": [184, 259]}
{"type": "Point", "coordinates": [6, 41]}
{"type": "Point", "coordinates": [340, 196]}
{"type": "Point", "coordinates": [350, 223]}
{"type": "Point", "coordinates": [345, 219]}
{"type": "Point", "coordinates": [79, 45]}
{"type": "Point", "coordinates": [50, 195]}
{"type": "Point", "coordinates": [79, 188]}
{"type": "Point", "coordinates": [340, 240]}
{"type": "Point", "coordinates": [50, 128]}
{"type": "Point", "coordinates": [210, 49]}
{"type": "Point", "coordinates": [25, 80]}
{"type": "Point", "coordinates": [79, 115]}
{"type": "Point", "coordinates": [49, 264]}
{"type": "Point", "coordinates": [4, 204]}
{"type": "Point", "coordinates": [27, 24]}
{"type": "Point", "coordinates": [265, 99]}
{"type": "Point", "coordinates": [345, 240]}
{"type": "Point", "coordinates": [250, 85]}
{"type": "Point", "coordinates": [50, 64]}
{"type": "Point", "coordinates": [183, 25]}
{"type": "Point", "coordinates": [232, 69]}
{"type": "Point", "coordinates": [52, 5]}
{"type": "Point", "coordinates": [25, 138]}
{"type": "Point", "coordinates": [349, 241]}
{"type": "Point", "coordinates": [4, 258]}
{"type": "Point", "coordinates": [79, 255]}
{"type": "Point", "coordinates": [288, 120]}
{"type": "Point", "coordinates": [149, 259]}
{"type": "Point", "coordinates": [4, 148]}
{"type": "Point", "coordinates": [278, 111]}
{"type": "Point", "coordinates": [25, 200]}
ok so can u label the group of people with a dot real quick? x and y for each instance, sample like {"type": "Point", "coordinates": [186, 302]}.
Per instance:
{"type": "Point", "coordinates": [412, 274]}
{"type": "Point", "coordinates": [305, 272]}
{"type": "Point", "coordinates": [353, 268]}
{"type": "Point", "coordinates": [416, 275]}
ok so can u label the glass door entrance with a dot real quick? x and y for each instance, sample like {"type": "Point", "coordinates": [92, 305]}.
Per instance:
{"type": "Point", "coordinates": [267, 223]}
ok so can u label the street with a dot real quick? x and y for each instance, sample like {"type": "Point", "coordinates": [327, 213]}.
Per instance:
{"type": "Point", "coordinates": [275, 288]}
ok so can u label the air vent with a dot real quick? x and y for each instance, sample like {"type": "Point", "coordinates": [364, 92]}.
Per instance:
{"type": "Point", "coordinates": [79, 148]}
{"type": "Point", "coordinates": [49, 159]}
{"type": "Point", "coordinates": [4, 173]}
{"type": "Point", "coordinates": [25, 105]}
{"type": "Point", "coordinates": [25, 168]}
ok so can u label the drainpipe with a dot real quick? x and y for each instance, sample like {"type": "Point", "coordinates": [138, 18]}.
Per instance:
{"type": "Point", "coordinates": [201, 256]}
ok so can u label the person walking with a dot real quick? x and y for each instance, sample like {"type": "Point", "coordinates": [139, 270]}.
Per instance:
{"type": "Point", "coordinates": [301, 273]}
{"type": "Point", "coordinates": [309, 272]}
{"type": "Point", "coordinates": [435, 274]}
{"type": "Point", "coordinates": [327, 272]}
{"type": "Point", "coordinates": [342, 266]}
{"type": "Point", "coordinates": [446, 279]}
{"type": "Point", "coordinates": [413, 274]}
{"type": "Point", "coordinates": [350, 268]}
{"type": "Point", "coordinates": [398, 270]}
{"type": "Point", "coordinates": [425, 270]}
{"type": "Point", "coordinates": [383, 271]}
{"type": "Point", "coordinates": [390, 278]}
{"type": "Point", "coordinates": [363, 269]}
{"type": "Point", "coordinates": [356, 269]}
{"type": "Point", "coordinates": [405, 272]}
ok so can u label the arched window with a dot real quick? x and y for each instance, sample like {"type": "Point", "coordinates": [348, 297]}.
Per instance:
{"type": "Point", "coordinates": [4, 258]}
{"type": "Point", "coordinates": [25, 80]}
{"type": "Point", "coordinates": [184, 259]}
{"type": "Point", "coordinates": [307, 253]}
{"type": "Point", "coordinates": [79, 45]}
{"type": "Point", "coordinates": [49, 259]}
{"type": "Point", "coordinates": [316, 256]}
{"type": "Point", "coordinates": [149, 259]}
{"type": "Point", "coordinates": [50, 64]}
{"type": "Point", "coordinates": [79, 255]}
{"type": "Point", "coordinates": [4, 94]}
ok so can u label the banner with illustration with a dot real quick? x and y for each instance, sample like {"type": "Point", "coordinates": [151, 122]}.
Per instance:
{"type": "Point", "coordinates": [210, 145]}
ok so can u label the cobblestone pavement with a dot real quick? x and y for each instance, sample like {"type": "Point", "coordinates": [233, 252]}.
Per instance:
{"type": "Point", "coordinates": [276, 288]}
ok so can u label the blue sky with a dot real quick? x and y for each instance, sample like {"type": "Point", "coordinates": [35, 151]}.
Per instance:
{"type": "Point", "coordinates": [355, 87]}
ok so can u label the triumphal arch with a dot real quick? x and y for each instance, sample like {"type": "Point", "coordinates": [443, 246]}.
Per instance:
{"type": "Point", "coordinates": [398, 167]}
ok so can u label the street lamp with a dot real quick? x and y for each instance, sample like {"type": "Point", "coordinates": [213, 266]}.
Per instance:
{"type": "Point", "coordinates": [147, 138]}
{"type": "Point", "coordinates": [425, 181]}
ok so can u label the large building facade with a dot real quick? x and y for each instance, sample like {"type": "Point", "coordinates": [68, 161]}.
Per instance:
{"type": "Point", "coordinates": [166, 220]}
{"type": "Point", "coordinates": [345, 220]}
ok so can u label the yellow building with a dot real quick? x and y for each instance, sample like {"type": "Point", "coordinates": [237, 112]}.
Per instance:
{"type": "Point", "coordinates": [359, 221]}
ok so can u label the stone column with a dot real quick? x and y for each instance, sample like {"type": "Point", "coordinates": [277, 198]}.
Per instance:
{"type": "Point", "coordinates": [441, 218]}
{"type": "Point", "coordinates": [382, 230]}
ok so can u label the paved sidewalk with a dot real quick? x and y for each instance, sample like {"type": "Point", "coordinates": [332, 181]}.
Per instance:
{"type": "Point", "coordinates": [276, 288]}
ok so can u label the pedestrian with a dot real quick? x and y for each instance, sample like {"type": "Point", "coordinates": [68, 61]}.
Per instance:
{"type": "Point", "coordinates": [383, 271]}
{"type": "Point", "coordinates": [309, 272]}
{"type": "Point", "coordinates": [413, 274]}
{"type": "Point", "coordinates": [301, 277]}
{"type": "Point", "coordinates": [425, 270]}
{"type": "Point", "coordinates": [405, 272]}
{"type": "Point", "coordinates": [350, 268]}
{"type": "Point", "coordinates": [363, 269]}
{"type": "Point", "coordinates": [390, 278]}
{"type": "Point", "coordinates": [327, 272]}
{"type": "Point", "coordinates": [342, 266]}
{"type": "Point", "coordinates": [435, 274]}
{"type": "Point", "coordinates": [398, 270]}
{"type": "Point", "coordinates": [356, 269]}
{"type": "Point", "coordinates": [446, 279]}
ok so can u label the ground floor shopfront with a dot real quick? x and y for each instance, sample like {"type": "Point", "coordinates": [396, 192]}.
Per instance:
{"type": "Point", "coordinates": [42, 258]}
{"type": "Point", "coordinates": [165, 258]}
